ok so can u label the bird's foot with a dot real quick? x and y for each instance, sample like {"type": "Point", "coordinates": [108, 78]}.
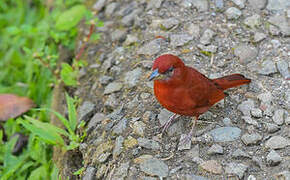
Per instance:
{"type": "Point", "coordinates": [168, 123]}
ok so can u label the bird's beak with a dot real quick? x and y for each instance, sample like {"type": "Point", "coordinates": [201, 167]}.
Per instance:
{"type": "Point", "coordinates": [154, 74]}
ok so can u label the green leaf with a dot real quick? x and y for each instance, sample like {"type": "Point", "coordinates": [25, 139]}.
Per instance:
{"type": "Point", "coordinates": [80, 171]}
{"type": "Point", "coordinates": [68, 75]}
{"type": "Point", "coordinates": [72, 114]}
{"type": "Point", "coordinates": [39, 173]}
{"type": "Point", "coordinates": [70, 18]}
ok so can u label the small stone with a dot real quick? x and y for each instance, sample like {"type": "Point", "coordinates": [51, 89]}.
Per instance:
{"type": "Point", "coordinates": [233, 13]}
{"type": "Point", "coordinates": [194, 177]}
{"type": "Point", "coordinates": [215, 149]}
{"type": "Point", "coordinates": [212, 166]}
{"type": "Point", "coordinates": [256, 112]}
{"type": "Point", "coordinates": [170, 23]}
{"type": "Point", "coordinates": [130, 39]}
{"type": "Point", "coordinates": [251, 177]}
{"type": "Point", "coordinates": [273, 158]}
{"type": "Point", "coordinates": [273, 30]}
{"type": "Point", "coordinates": [193, 29]}
{"type": "Point", "coordinates": [111, 8]}
{"type": "Point", "coordinates": [246, 106]}
{"type": "Point", "coordinates": [85, 110]}
{"type": "Point", "coordinates": [89, 173]}
{"type": "Point", "coordinates": [282, 22]}
{"type": "Point", "coordinates": [285, 175]}
{"type": "Point", "coordinates": [251, 139]}
{"type": "Point", "coordinates": [200, 5]}
{"type": "Point", "coordinates": [240, 154]}
{"type": "Point", "coordinates": [278, 5]}
{"type": "Point", "coordinates": [122, 171]}
{"type": "Point", "coordinates": [277, 142]}
{"type": "Point", "coordinates": [265, 97]}
{"type": "Point", "coordinates": [132, 77]}
{"type": "Point", "coordinates": [96, 119]}
{"type": "Point", "coordinates": [101, 171]}
{"type": "Point", "coordinates": [246, 53]}
{"type": "Point", "coordinates": [103, 157]}
{"type": "Point", "coordinates": [237, 169]}
{"type": "Point", "coordinates": [176, 128]}
{"type": "Point", "coordinates": [152, 48]}
{"type": "Point", "coordinates": [227, 121]}
{"type": "Point", "coordinates": [182, 145]}
{"type": "Point", "coordinates": [118, 146]}
{"type": "Point", "coordinates": [250, 121]}
{"type": "Point", "coordinates": [154, 4]}
{"type": "Point", "coordinates": [194, 152]}
{"type": "Point", "coordinates": [283, 68]}
{"type": "Point", "coordinates": [120, 127]}
{"type": "Point", "coordinates": [225, 134]}
{"type": "Point", "coordinates": [119, 35]}
{"type": "Point", "coordinates": [207, 36]}
{"type": "Point", "coordinates": [99, 5]}
{"type": "Point", "coordinates": [267, 67]}
{"type": "Point", "coordinates": [113, 87]}
{"type": "Point", "coordinates": [272, 128]}
{"type": "Point", "coordinates": [139, 128]}
{"type": "Point", "coordinates": [253, 21]}
{"type": "Point", "coordinates": [130, 142]}
{"type": "Point", "coordinates": [129, 19]}
{"type": "Point", "coordinates": [275, 43]}
{"type": "Point", "coordinates": [287, 120]}
{"type": "Point", "coordinates": [257, 4]}
{"type": "Point", "coordinates": [111, 101]}
{"type": "Point", "coordinates": [148, 143]}
{"type": "Point", "coordinates": [278, 117]}
{"type": "Point", "coordinates": [219, 4]}
{"type": "Point", "coordinates": [144, 95]}
{"type": "Point", "coordinates": [180, 39]}
{"type": "Point", "coordinates": [142, 158]}
{"type": "Point", "coordinates": [105, 79]}
{"type": "Point", "coordinates": [259, 36]}
{"type": "Point", "coordinates": [209, 48]}
{"type": "Point", "coordinates": [240, 3]}
{"type": "Point", "coordinates": [154, 167]}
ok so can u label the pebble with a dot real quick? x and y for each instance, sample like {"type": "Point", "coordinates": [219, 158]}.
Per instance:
{"type": "Point", "coordinates": [154, 4]}
{"type": "Point", "coordinates": [129, 19]}
{"type": "Point", "coordinates": [256, 112]}
{"type": "Point", "coordinates": [154, 167]}
{"type": "Point", "coordinates": [265, 97]}
{"type": "Point", "coordinates": [258, 37]}
{"type": "Point", "coordinates": [278, 117]}
{"type": "Point", "coordinates": [207, 36]}
{"type": "Point", "coordinates": [101, 171]}
{"type": "Point", "coordinates": [282, 22]}
{"type": "Point", "coordinates": [89, 174]}
{"type": "Point", "coordinates": [192, 153]}
{"type": "Point", "coordinates": [132, 77]}
{"type": "Point", "coordinates": [283, 68]}
{"type": "Point", "coordinates": [240, 154]}
{"type": "Point", "coordinates": [227, 121]}
{"type": "Point", "coordinates": [169, 23]}
{"type": "Point", "coordinates": [118, 146]}
{"type": "Point", "coordinates": [251, 139]}
{"type": "Point", "coordinates": [267, 67]}
{"type": "Point", "coordinates": [277, 142]}
{"type": "Point", "coordinates": [152, 48]}
{"type": "Point", "coordinates": [113, 87]}
{"type": "Point", "coordinates": [176, 128]}
{"type": "Point", "coordinates": [246, 53]}
{"type": "Point", "coordinates": [182, 145]}
{"type": "Point", "coordinates": [103, 157]}
{"type": "Point", "coordinates": [96, 119]}
{"type": "Point", "coordinates": [278, 5]}
{"type": "Point", "coordinates": [105, 79]}
{"type": "Point", "coordinates": [194, 177]}
{"type": "Point", "coordinates": [240, 3]}
{"type": "Point", "coordinates": [200, 5]}
{"type": "Point", "coordinates": [180, 39]}
{"type": "Point", "coordinates": [111, 8]}
{"type": "Point", "coordinates": [246, 106]}
{"type": "Point", "coordinates": [237, 169]}
{"type": "Point", "coordinates": [233, 13]}
{"type": "Point", "coordinates": [273, 158]}
{"type": "Point", "coordinates": [212, 166]}
{"type": "Point", "coordinates": [148, 143]}
{"type": "Point", "coordinates": [121, 126]}
{"type": "Point", "coordinates": [253, 21]}
{"type": "Point", "coordinates": [193, 29]}
{"type": "Point", "coordinates": [287, 120]}
{"type": "Point", "coordinates": [139, 128]}
{"type": "Point", "coordinates": [85, 110]}
{"type": "Point", "coordinates": [251, 177]}
{"type": "Point", "coordinates": [284, 175]}
{"type": "Point", "coordinates": [215, 149]}
{"type": "Point", "coordinates": [225, 134]}
{"type": "Point", "coordinates": [130, 142]}
{"type": "Point", "coordinates": [122, 171]}
{"type": "Point", "coordinates": [272, 128]}
{"type": "Point", "coordinates": [257, 4]}
{"type": "Point", "coordinates": [119, 35]}
{"type": "Point", "coordinates": [130, 39]}
{"type": "Point", "coordinates": [99, 5]}
{"type": "Point", "coordinates": [111, 101]}
{"type": "Point", "coordinates": [250, 121]}
{"type": "Point", "coordinates": [142, 158]}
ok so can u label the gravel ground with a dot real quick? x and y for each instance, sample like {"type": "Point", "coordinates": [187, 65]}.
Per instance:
{"type": "Point", "coordinates": [247, 136]}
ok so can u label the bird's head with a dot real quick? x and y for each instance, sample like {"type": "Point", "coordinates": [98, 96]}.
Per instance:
{"type": "Point", "coordinates": [165, 66]}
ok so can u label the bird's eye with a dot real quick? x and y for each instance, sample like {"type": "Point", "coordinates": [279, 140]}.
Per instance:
{"type": "Point", "coordinates": [170, 69]}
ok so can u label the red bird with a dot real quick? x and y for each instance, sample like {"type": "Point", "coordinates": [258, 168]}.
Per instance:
{"type": "Point", "coordinates": [185, 91]}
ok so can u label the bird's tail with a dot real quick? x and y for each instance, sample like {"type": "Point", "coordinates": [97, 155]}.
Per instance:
{"type": "Point", "coordinates": [230, 81]}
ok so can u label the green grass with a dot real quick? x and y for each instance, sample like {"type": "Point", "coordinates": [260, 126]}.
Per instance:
{"type": "Point", "coordinates": [31, 33]}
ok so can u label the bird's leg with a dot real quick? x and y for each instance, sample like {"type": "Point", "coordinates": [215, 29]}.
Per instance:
{"type": "Point", "coordinates": [168, 123]}
{"type": "Point", "coordinates": [188, 137]}
{"type": "Point", "coordinates": [226, 96]}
